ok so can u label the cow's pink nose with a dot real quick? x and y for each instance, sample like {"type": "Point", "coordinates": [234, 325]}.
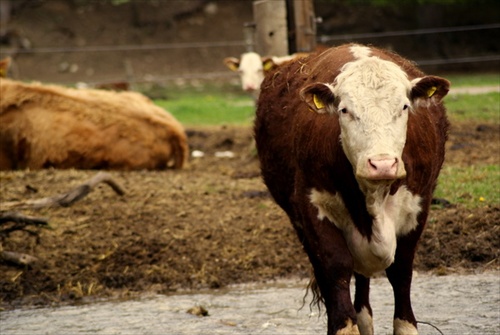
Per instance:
{"type": "Point", "coordinates": [386, 168]}
{"type": "Point", "coordinates": [250, 88]}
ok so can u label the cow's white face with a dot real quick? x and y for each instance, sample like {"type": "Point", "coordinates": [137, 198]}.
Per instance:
{"type": "Point", "coordinates": [373, 107]}
{"type": "Point", "coordinates": [250, 68]}
{"type": "Point", "coordinates": [372, 99]}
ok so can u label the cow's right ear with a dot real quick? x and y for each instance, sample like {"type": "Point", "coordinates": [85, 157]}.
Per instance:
{"type": "Point", "coordinates": [319, 97]}
{"type": "Point", "coordinates": [232, 63]}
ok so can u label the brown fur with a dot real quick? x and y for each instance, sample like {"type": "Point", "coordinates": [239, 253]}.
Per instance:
{"type": "Point", "coordinates": [300, 150]}
{"type": "Point", "coordinates": [45, 126]}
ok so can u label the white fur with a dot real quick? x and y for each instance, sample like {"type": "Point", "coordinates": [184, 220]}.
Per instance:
{"type": "Point", "coordinates": [360, 51]}
{"type": "Point", "coordinates": [283, 59]}
{"type": "Point", "coordinates": [402, 327]}
{"type": "Point", "coordinates": [365, 322]}
{"type": "Point", "coordinates": [394, 216]}
{"type": "Point", "coordinates": [374, 92]}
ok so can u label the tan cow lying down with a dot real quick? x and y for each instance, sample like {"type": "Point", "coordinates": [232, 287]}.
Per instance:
{"type": "Point", "coordinates": [45, 126]}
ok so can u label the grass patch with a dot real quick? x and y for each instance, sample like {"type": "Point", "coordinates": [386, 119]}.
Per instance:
{"type": "Point", "coordinates": [484, 107]}
{"type": "Point", "coordinates": [210, 108]}
{"type": "Point", "coordinates": [475, 79]}
{"type": "Point", "coordinates": [471, 186]}
{"type": "Point", "coordinates": [477, 185]}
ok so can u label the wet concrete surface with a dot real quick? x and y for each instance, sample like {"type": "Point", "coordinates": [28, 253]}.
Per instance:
{"type": "Point", "coordinates": [456, 304]}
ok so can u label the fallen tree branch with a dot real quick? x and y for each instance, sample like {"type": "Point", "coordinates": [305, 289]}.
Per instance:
{"type": "Point", "coordinates": [20, 222]}
{"type": "Point", "coordinates": [20, 218]}
{"type": "Point", "coordinates": [18, 258]}
{"type": "Point", "coordinates": [68, 198]}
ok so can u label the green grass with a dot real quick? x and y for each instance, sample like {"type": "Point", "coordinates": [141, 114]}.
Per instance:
{"type": "Point", "coordinates": [210, 108]}
{"type": "Point", "coordinates": [483, 107]}
{"type": "Point", "coordinates": [475, 79]}
{"type": "Point", "coordinates": [477, 185]}
{"type": "Point", "coordinates": [472, 186]}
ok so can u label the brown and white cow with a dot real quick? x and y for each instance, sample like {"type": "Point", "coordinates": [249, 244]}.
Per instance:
{"type": "Point", "coordinates": [45, 126]}
{"type": "Point", "coordinates": [351, 142]}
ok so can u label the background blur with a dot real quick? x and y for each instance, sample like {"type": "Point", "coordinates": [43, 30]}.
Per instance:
{"type": "Point", "coordinates": [162, 43]}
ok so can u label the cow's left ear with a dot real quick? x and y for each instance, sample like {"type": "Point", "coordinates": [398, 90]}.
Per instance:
{"type": "Point", "coordinates": [319, 97]}
{"type": "Point", "coordinates": [429, 87]}
{"type": "Point", "coordinates": [232, 63]}
{"type": "Point", "coordinates": [268, 63]}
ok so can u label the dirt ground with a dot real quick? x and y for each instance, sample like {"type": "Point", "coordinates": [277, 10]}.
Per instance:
{"type": "Point", "coordinates": [207, 226]}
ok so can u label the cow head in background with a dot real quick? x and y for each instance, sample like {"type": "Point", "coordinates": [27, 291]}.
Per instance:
{"type": "Point", "coordinates": [251, 67]}
{"type": "Point", "coordinates": [372, 98]}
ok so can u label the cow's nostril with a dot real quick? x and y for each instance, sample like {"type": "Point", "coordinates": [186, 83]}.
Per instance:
{"type": "Point", "coordinates": [383, 163]}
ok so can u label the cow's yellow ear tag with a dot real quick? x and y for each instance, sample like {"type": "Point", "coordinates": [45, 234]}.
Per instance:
{"type": "Point", "coordinates": [318, 103]}
{"type": "Point", "coordinates": [232, 66]}
{"type": "Point", "coordinates": [268, 65]}
{"type": "Point", "coordinates": [431, 91]}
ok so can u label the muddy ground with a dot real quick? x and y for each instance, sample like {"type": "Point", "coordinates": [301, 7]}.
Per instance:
{"type": "Point", "coordinates": [207, 226]}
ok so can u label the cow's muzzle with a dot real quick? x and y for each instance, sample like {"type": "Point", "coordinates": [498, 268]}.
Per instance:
{"type": "Point", "coordinates": [382, 167]}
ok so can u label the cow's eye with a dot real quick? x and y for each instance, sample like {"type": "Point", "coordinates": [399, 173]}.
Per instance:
{"type": "Point", "coordinates": [343, 110]}
{"type": "Point", "coordinates": [405, 107]}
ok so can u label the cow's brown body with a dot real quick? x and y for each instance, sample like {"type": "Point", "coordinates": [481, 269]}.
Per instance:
{"type": "Point", "coordinates": [45, 126]}
{"type": "Point", "coordinates": [299, 150]}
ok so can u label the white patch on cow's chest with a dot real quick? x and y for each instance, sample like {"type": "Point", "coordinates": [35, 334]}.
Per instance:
{"type": "Point", "coordinates": [394, 216]}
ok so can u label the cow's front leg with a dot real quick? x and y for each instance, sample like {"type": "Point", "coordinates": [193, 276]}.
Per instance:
{"type": "Point", "coordinates": [333, 266]}
{"type": "Point", "coordinates": [400, 276]}
{"type": "Point", "coordinates": [362, 305]}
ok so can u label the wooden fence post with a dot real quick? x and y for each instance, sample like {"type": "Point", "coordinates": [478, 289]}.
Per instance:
{"type": "Point", "coordinates": [249, 36]}
{"type": "Point", "coordinates": [304, 26]}
{"type": "Point", "coordinates": [270, 27]}
{"type": "Point", "coordinates": [284, 27]}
